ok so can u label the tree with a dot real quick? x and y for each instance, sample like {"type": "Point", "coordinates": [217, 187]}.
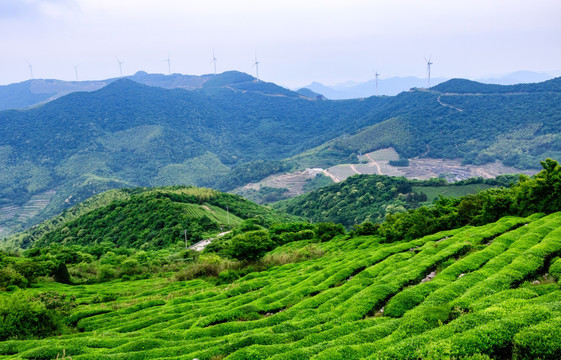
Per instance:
{"type": "Point", "coordinates": [251, 245]}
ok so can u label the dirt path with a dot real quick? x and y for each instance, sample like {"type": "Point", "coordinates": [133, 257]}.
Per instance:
{"type": "Point", "coordinates": [448, 105]}
{"type": "Point", "coordinates": [333, 177]}
{"type": "Point", "coordinates": [201, 245]}
{"type": "Point", "coordinates": [354, 169]}
{"type": "Point", "coordinates": [375, 164]}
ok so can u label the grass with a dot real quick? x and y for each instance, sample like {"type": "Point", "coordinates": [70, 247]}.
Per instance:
{"type": "Point", "coordinates": [348, 298]}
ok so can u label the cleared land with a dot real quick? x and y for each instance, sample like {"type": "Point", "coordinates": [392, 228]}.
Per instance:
{"type": "Point", "coordinates": [377, 162]}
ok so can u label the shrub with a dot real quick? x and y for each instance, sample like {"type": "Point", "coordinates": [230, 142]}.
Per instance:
{"type": "Point", "coordinates": [366, 228]}
{"type": "Point", "coordinates": [251, 245]}
{"type": "Point", "coordinates": [555, 269]}
{"type": "Point", "coordinates": [24, 317]}
{"type": "Point", "coordinates": [542, 341]}
{"type": "Point", "coordinates": [10, 277]}
{"type": "Point", "coordinates": [105, 273]}
{"type": "Point", "coordinates": [326, 231]}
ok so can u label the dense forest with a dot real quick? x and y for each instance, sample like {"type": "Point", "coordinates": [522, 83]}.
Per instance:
{"type": "Point", "coordinates": [373, 198]}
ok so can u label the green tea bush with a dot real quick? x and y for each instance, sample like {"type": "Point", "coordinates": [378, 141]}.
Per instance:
{"type": "Point", "coordinates": [542, 341]}
{"type": "Point", "coordinates": [555, 268]}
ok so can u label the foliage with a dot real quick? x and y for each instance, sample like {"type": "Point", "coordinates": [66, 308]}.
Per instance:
{"type": "Point", "coordinates": [128, 134]}
{"type": "Point", "coordinates": [539, 194]}
{"type": "Point", "coordinates": [326, 231]}
{"type": "Point", "coordinates": [152, 219]}
{"type": "Point", "coordinates": [251, 245]}
{"type": "Point", "coordinates": [359, 198]}
{"type": "Point", "coordinates": [316, 183]}
{"type": "Point", "coordinates": [23, 316]}
{"type": "Point", "coordinates": [350, 298]}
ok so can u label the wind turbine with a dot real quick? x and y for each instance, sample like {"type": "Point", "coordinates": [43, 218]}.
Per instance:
{"type": "Point", "coordinates": [120, 66]}
{"type": "Point", "coordinates": [376, 75]}
{"type": "Point", "coordinates": [30, 69]}
{"type": "Point", "coordinates": [256, 64]}
{"type": "Point", "coordinates": [168, 60]}
{"type": "Point", "coordinates": [429, 63]}
{"type": "Point", "coordinates": [213, 61]}
{"type": "Point", "coordinates": [76, 71]}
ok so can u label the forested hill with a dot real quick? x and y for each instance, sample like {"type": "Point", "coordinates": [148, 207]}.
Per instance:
{"type": "Point", "coordinates": [372, 198]}
{"type": "Point", "coordinates": [467, 86]}
{"type": "Point", "coordinates": [460, 119]}
{"type": "Point", "coordinates": [128, 134]}
{"type": "Point", "coordinates": [147, 218]}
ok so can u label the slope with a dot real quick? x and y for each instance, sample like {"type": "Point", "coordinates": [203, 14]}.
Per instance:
{"type": "Point", "coordinates": [479, 291]}
{"type": "Point", "coordinates": [128, 134]}
{"type": "Point", "coordinates": [372, 198]}
{"type": "Point", "coordinates": [147, 218]}
{"type": "Point", "coordinates": [461, 119]}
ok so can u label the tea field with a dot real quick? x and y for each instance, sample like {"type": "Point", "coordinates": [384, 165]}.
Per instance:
{"type": "Point", "coordinates": [469, 293]}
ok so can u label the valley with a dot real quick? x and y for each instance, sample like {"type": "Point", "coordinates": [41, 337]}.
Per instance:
{"type": "Point", "coordinates": [170, 190]}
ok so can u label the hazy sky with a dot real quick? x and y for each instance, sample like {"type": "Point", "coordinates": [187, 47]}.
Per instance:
{"type": "Point", "coordinates": [296, 41]}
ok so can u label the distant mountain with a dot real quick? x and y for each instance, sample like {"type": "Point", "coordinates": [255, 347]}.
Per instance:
{"type": "Point", "coordinates": [352, 90]}
{"type": "Point", "coordinates": [310, 94]}
{"type": "Point", "coordinates": [518, 125]}
{"type": "Point", "coordinates": [32, 92]}
{"type": "Point", "coordinates": [519, 77]}
{"type": "Point", "coordinates": [395, 85]}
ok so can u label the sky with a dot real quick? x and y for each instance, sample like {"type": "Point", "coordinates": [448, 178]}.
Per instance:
{"type": "Point", "coordinates": [295, 41]}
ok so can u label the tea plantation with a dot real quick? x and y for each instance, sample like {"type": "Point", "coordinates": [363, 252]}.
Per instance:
{"type": "Point", "coordinates": [469, 293]}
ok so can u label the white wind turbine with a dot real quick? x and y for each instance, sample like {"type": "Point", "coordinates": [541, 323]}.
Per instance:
{"type": "Point", "coordinates": [429, 63]}
{"type": "Point", "coordinates": [256, 64]}
{"type": "Point", "coordinates": [213, 61]}
{"type": "Point", "coordinates": [120, 66]}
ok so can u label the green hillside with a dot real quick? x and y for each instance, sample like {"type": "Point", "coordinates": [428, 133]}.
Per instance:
{"type": "Point", "coordinates": [146, 218]}
{"type": "Point", "coordinates": [128, 134]}
{"type": "Point", "coordinates": [461, 119]}
{"type": "Point", "coordinates": [487, 291]}
{"type": "Point", "coordinates": [475, 292]}
{"type": "Point", "coordinates": [372, 198]}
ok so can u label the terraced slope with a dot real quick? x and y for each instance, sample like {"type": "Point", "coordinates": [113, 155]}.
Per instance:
{"type": "Point", "coordinates": [474, 291]}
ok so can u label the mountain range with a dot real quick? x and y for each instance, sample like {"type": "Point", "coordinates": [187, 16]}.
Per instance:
{"type": "Point", "coordinates": [394, 85]}
{"type": "Point", "coordinates": [38, 91]}
{"type": "Point", "coordinates": [231, 129]}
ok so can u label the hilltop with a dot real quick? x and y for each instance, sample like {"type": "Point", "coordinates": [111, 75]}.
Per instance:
{"type": "Point", "coordinates": [39, 91]}
{"type": "Point", "coordinates": [147, 218]}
